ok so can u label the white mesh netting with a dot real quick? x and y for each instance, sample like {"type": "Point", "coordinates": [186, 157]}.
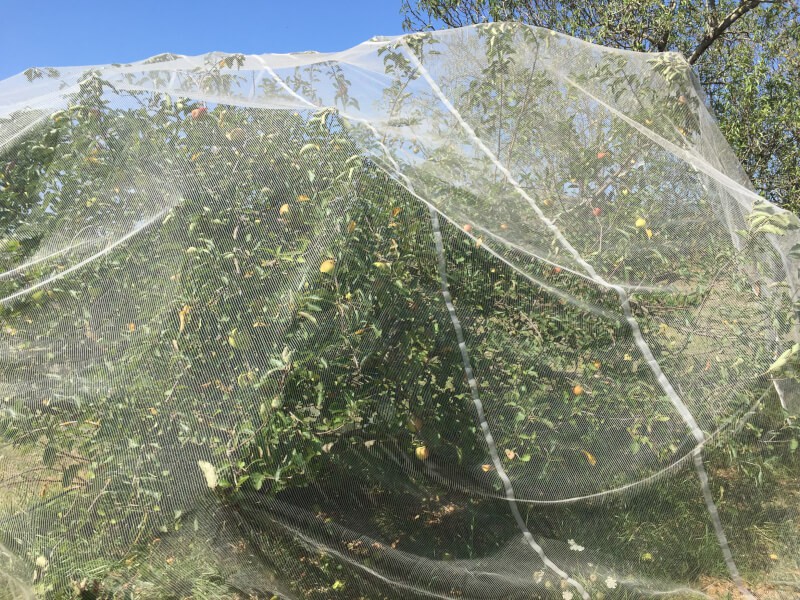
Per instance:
{"type": "Point", "coordinates": [486, 313]}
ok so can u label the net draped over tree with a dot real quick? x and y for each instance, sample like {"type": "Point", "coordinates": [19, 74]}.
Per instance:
{"type": "Point", "coordinates": [482, 313]}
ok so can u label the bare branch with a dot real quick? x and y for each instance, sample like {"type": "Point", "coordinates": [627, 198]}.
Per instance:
{"type": "Point", "coordinates": [718, 30]}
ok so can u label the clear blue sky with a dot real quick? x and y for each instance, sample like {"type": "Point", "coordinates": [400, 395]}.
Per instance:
{"type": "Point", "coordinates": [84, 32]}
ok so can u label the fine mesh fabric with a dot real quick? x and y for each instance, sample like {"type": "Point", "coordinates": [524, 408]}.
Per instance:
{"type": "Point", "coordinates": [484, 313]}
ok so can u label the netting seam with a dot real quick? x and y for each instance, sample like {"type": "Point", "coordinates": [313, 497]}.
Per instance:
{"type": "Point", "coordinates": [641, 343]}
{"type": "Point", "coordinates": [442, 267]}
{"type": "Point", "coordinates": [487, 434]}
{"type": "Point", "coordinates": [719, 531]}
{"type": "Point", "coordinates": [46, 257]}
{"type": "Point", "coordinates": [108, 248]}
{"type": "Point", "coordinates": [313, 545]}
{"type": "Point", "coordinates": [23, 131]}
{"type": "Point", "coordinates": [686, 156]}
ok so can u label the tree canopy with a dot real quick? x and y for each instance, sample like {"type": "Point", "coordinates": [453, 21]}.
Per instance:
{"type": "Point", "coordinates": [365, 325]}
{"type": "Point", "coordinates": [746, 54]}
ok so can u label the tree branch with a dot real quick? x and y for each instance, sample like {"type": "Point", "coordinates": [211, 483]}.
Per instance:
{"type": "Point", "coordinates": [718, 30]}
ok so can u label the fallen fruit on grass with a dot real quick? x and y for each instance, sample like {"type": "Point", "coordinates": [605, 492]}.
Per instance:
{"type": "Point", "coordinates": [640, 222]}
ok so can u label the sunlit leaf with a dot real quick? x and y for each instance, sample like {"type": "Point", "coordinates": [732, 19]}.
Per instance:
{"type": "Point", "coordinates": [589, 457]}
{"type": "Point", "coordinates": [209, 472]}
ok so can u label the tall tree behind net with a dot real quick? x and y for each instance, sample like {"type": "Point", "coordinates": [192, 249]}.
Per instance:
{"type": "Point", "coordinates": [487, 313]}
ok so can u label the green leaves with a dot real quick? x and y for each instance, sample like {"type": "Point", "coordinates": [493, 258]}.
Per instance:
{"type": "Point", "coordinates": [671, 66]}
{"type": "Point", "coordinates": [784, 359]}
{"type": "Point", "coordinates": [257, 480]}
{"type": "Point", "coordinates": [768, 218]}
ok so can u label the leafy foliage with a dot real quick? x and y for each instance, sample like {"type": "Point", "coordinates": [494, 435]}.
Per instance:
{"type": "Point", "coordinates": [249, 333]}
{"type": "Point", "coordinates": [746, 55]}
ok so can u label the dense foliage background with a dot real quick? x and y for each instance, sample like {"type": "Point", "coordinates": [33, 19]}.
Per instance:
{"type": "Point", "coordinates": [746, 54]}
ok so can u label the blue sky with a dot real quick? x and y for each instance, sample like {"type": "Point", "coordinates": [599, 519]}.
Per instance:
{"type": "Point", "coordinates": [83, 32]}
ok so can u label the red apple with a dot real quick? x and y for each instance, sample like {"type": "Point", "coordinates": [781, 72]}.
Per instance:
{"type": "Point", "coordinates": [596, 211]}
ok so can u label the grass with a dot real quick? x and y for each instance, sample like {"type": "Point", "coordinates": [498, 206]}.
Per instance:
{"type": "Point", "coordinates": [661, 532]}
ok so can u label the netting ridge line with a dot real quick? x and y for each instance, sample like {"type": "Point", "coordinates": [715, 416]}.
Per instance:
{"type": "Point", "coordinates": [68, 248]}
{"type": "Point", "coordinates": [716, 521]}
{"type": "Point", "coordinates": [684, 155]}
{"type": "Point", "coordinates": [36, 261]}
{"type": "Point", "coordinates": [284, 85]}
{"type": "Point", "coordinates": [641, 343]}
{"type": "Point", "coordinates": [17, 134]}
{"type": "Point", "coordinates": [525, 251]}
{"type": "Point", "coordinates": [476, 400]}
{"type": "Point", "coordinates": [39, 100]}
{"type": "Point", "coordinates": [291, 512]}
{"type": "Point", "coordinates": [711, 507]}
{"type": "Point", "coordinates": [621, 490]}
{"type": "Point", "coordinates": [708, 498]}
{"type": "Point", "coordinates": [294, 94]}
{"type": "Point", "coordinates": [408, 184]}
{"type": "Point", "coordinates": [442, 267]}
{"type": "Point", "coordinates": [89, 259]}
{"type": "Point", "coordinates": [240, 101]}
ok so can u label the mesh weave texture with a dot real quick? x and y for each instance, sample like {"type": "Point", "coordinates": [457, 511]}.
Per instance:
{"type": "Point", "coordinates": [485, 313]}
